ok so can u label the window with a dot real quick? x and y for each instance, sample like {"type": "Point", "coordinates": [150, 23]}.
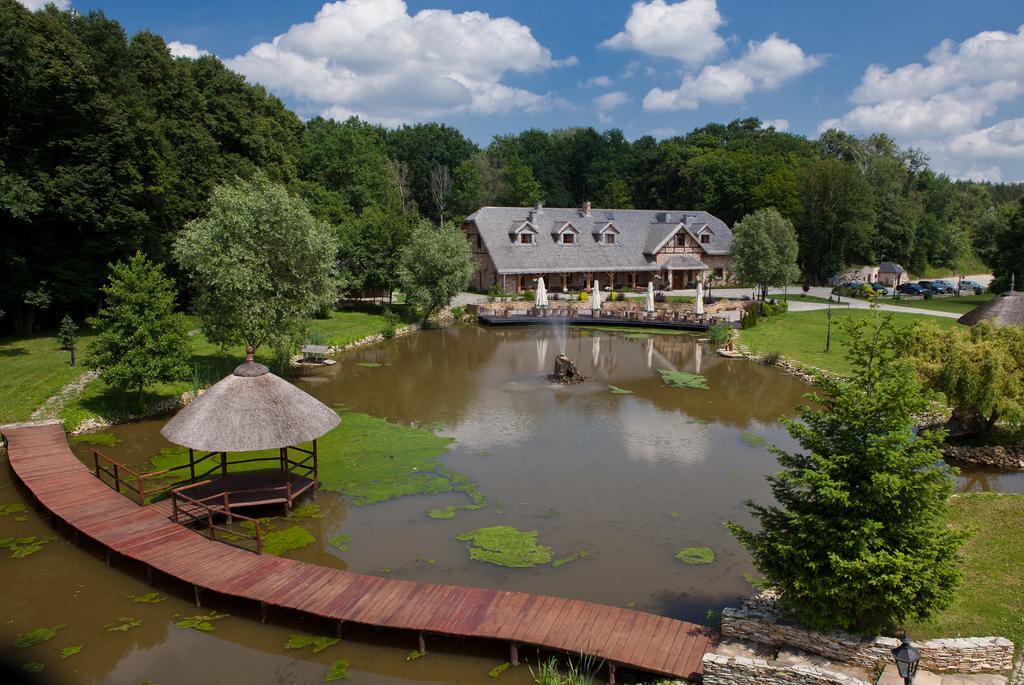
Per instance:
{"type": "Point", "coordinates": [478, 242]}
{"type": "Point", "coordinates": [680, 239]}
{"type": "Point", "coordinates": [705, 238]}
{"type": "Point", "coordinates": [608, 238]}
{"type": "Point", "coordinates": [526, 239]}
{"type": "Point", "coordinates": [568, 238]}
{"type": "Point", "coordinates": [719, 273]}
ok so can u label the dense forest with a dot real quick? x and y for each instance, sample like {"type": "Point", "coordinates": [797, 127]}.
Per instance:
{"type": "Point", "coordinates": [109, 145]}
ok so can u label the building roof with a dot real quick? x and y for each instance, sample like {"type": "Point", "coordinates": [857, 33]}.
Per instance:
{"type": "Point", "coordinates": [640, 233]}
{"type": "Point", "coordinates": [685, 262]}
{"type": "Point", "coordinates": [1005, 310]}
{"type": "Point", "coordinates": [890, 268]}
{"type": "Point", "coordinates": [252, 409]}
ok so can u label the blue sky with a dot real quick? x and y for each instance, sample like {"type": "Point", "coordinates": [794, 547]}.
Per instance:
{"type": "Point", "coordinates": [944, 76]}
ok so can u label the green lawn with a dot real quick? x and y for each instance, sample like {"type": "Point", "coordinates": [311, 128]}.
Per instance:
{"type": "Point", "coordinates": [801, 335]}
{"type": "Point", "coordinates": [990, 600]}
{"type": "Point", "coordinates": [957, 305]}
{"type": "Point", "coordinates": [210, 363]}
{"type": "Point", "coordinates": [800, 297]}
{"type": "Point", "coordinates": [31, 370]}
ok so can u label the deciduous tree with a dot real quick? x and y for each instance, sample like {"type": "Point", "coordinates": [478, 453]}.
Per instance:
{"type": "Point", "coordinates": [435, 266]}
{"type": "Point", "coordinates": [764, 250]}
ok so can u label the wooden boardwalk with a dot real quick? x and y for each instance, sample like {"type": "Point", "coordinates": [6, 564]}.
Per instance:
{"type": "Point", "coordinates": [692, 325]}
{"type": "Point", "coordinates": [41, 458]}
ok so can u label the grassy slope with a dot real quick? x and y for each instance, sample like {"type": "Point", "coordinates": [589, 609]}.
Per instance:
{"type": "Point", "coordinates": [990, 600]}
{"type": "Point", "coordinates": [801, 335]}
{"type": "Point", "coordinates": [209, 363]}
{"type": "Point", "coordinates": [957, 305]}
{"type": "Point", "coordinates": [31, 370]}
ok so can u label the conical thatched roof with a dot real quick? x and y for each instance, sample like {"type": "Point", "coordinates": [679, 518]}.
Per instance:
{"type": "Point", "coordinates": [1005, 310]}
{"type": "Point", "coordinates": [252, 409]}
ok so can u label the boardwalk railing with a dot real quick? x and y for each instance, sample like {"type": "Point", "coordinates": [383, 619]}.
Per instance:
{"type": "Point", "coordinates": [207, 510]}
{"type": "Point", "coordinates": [140, 485]}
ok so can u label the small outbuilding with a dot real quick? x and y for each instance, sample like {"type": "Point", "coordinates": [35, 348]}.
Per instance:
{"type": "Point", "coordinates": [252, 410]}
{"type": "Point", "coordinates": [890, 274]}
{"type": "Point", "coordinates": [1005, 310]}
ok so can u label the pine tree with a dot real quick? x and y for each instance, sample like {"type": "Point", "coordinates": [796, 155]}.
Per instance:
{"type": "Point", "coordinates": [140, 339]}
{"type": "Point", "coordinates": [67, 336]}
{"type": "Point", "coordinates": [856, 539]}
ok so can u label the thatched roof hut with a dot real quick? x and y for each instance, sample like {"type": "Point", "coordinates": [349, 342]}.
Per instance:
{"type": "Point", "coordinates": [1005, 310]}
{"type": "Point", "coordinates": [252, 409]}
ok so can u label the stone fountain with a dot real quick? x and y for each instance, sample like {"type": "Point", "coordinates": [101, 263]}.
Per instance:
{"type": "Point", "coordinates": [566, 371]}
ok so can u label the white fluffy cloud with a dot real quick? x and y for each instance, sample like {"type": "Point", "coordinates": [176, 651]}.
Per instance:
{"type": "Point", "coordinates": [374, 58]}
{"type": "Point", "coordinates": [777, 124]}
{"type": "Point", "coordinates": [598, 81]}
{"type": "Point", "coordinates": [611, 100]}
{"type": "Point", "coordinates": [40, 4]}
{"type": "Point", "coordinates": [179, 49]}
{"type": "Point", "coordinates": [765, 65]}
{"type": "Point", "coordinates": [686, 31]}
{"type": "Point", "coordinates": [942, 103]}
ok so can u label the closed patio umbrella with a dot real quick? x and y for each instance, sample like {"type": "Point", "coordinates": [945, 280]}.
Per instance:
{"type": "Point", "coordinates": [649, 302]}
{"type": "Point", "coordinates": [699, 308]}
{"type": "Point", "coordinates": [595, 297]}
{"type": "Point", "coordinates": [542, 293]}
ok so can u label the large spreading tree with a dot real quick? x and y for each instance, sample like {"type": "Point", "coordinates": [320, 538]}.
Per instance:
{"type": "Point", "coordinates": [856, 537]}
{"type": "Point", "coordinates": [1008, 258]}
{"type": "Point", "coordinates": [434, 267]}
{"type": "Point", "coordinates": [140, 339]}
{"type": "Point", "coordinates": [259, 263]}
{"type": "Point", "coordinates": [764, 250]}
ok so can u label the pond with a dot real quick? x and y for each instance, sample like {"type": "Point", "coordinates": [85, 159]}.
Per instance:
{"type": "Point", "coordinates": [616, 475]}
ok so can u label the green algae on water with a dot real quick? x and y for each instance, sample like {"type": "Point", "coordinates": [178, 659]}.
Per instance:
{"type": "Point", "coordinates": [33, 667]}
{"type": "Point", "coordinates": [674, 514]}
{"type": "Point", "coordinates": [695, 555]}
{"type": "Point", "coordinates": [753, 439]}
{"type": "Point", "coordinates": [683, 379]}
{"type": "Point", "coordinates": [70, 651]}
{"type": "Point", "coordinates": [414, 655]}
{"type": "Point", "coordinates": [278, 542]}
{"type": "Point", "coordinates": [370, 460]}
{"type": "Point", "coordinates": [307, 511]}
{"type": "Point", "coordinates": [25, 546]}
{"type": "Point", "coordinates": [123, 625]}
{"type": "Point", "coordinates": [341, 542]}
{"type": "Point", "coordinates": [424, 560]}
{"type": "Point", "coordinates": [338, 670]}
{"type": "Point", "coordinates": [569, 558]}
{"type": "Point", "coordinates": [369, 365]}
{"type": "Point", "coordinates": [13, 508]}
{"type": "Point", "coordinates": [498, 670]}
{"type": "Point", "coordinates": [616, 390]}
{"type": "Point", "coordinates": [506, 546]}
{"type": "Point", "coordinates": [34, 637]}
{"type": "Point", "coordinates": [318, 644]}
{"type": "Point", "coordinates": [98, 439]}
{"type": "Point", "coordinates": [148, 598]}
{"type": "Point", "coordinates": [202, 623]}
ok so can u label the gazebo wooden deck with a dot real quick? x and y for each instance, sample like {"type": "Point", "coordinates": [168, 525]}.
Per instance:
{"type": "Point", "coordinates": [42, 460]}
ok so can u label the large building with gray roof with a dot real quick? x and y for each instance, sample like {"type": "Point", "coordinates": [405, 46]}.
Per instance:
{"type": "Point", "coordinates": [513, 246]}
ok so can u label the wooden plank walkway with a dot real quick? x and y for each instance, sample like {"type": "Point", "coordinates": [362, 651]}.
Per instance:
{"type": "Point", "coordinates": [41, 458]}
{"type": "Point", "coordinates": [606, 320]}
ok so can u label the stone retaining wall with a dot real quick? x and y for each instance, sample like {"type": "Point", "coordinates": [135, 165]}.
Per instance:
{"type": "Point", "coordinates": [991, 456]}
{"type": "Point", "coordinates": [725, 670]}
{"type": "Point", "coordinates": [956, 655]}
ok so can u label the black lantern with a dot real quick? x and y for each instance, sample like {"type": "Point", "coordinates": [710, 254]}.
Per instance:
{"type": "Point", "coordinates": [906, 658]}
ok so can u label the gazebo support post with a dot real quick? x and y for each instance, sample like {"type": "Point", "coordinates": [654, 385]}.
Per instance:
{"type": "Point", "coordinates": [223, 464]}
{"type": "Point", "coordinates": [316, 470]}
{"type": "Point", "coordinates": [191, 463]}
{"type": "Point", "coordinates": [287, 478]}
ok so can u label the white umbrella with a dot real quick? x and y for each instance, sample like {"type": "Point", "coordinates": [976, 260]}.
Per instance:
{"type": "Point", "coordinates": [595, 297]}
{"type": "Point", "coordinates": [649, 303]}
{"type": "Point", "coordinates": [542, 293]}
{"type": "Point", "coordinates": [699, 308]}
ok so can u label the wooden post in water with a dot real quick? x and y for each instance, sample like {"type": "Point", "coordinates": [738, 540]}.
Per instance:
{"type": "Point", "coordinates": [198, 593]}
{"type": "Point", "coordinates": [263, 612]}
{"type": "Point", "coordinates": [611, 673]}
{"type": "Point", "coordinates": [423, 644]}
{"type": "Point", "coordinates": [513, 653]}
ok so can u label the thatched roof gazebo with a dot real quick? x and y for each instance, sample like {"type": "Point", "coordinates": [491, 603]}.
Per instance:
{"type": "Point", "coordinates": [251, 410]}
{"type": "Point", "coordinates": [1005, 310]}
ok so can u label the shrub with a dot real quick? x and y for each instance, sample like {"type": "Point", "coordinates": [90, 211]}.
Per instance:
{"type": "Point", "coordinates": [458, 313]}
{"type": "Point", "coordinates": [719, 333]}
{"type": "Point", "coordinates": [390, 324]}
{"type": "Point", "coordinates": [749, 319]}
{"type": "Point", "coordinates": [314, 336]}
{"type": "Point", "coordinates": [584, 296]}
{"type": "Point", "coordinates": [659, 297]}
{"type": "Point", "coordinates": [772, 358]}
{"type": "Point", "coordinates": [529, 295]}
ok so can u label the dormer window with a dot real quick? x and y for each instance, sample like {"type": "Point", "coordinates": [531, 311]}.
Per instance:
{"type": "Point", "coordinates": [680, 239]}
{"type": "Point", "coordinates": [568, 238]}
{"type": "Point", "coordinates": [525, 238]}
{"type": "Point", "coordinates": [608, 238]}
{"type": "Point", "coordinates": [705, 239]}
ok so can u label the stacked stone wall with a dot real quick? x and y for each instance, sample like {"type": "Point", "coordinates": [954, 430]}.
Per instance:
{"type": "Point", "coordinates": [990, 456]}
{"type": "Point", "coordinates": [725, 670]}
{"type": "Point", "coordinates": [953, 655]}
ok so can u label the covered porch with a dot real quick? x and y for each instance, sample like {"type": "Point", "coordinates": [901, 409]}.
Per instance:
{"type": "Point", "coordinates": [684, 271]}
{"type": "Point", "coordinates": [578, 281]}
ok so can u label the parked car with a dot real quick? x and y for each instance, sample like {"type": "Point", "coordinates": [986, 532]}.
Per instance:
{"type": "Point", "coordinates": [947, 284]}
{"type": "Point", "coordinates": [937, 287]}
{"type": "Point", "coordinates": [971, 285]}
{"type": "Point", "coordinates": [879, 288]}
{"type": "Point", "coordinates": [911, 289]}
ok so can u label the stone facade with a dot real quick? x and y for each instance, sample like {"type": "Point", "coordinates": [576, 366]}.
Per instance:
{"type": "Point", "coordinates": [990, 456]}
{"type": "Point", "coordinates": [738, 670]}
{"type": "Point", "coordinates": [955, 655]}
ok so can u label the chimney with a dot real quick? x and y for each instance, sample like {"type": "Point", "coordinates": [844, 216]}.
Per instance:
{"type": "Point", "coordinates": [538, 208]}
{"type": "Point", "coordinates": [586, 208]}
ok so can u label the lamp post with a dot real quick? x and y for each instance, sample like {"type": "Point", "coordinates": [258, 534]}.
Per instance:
{"type": "Point", "coordinates": [828, 330]}
{"type": "Point", "coordinates": [907, 659]}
